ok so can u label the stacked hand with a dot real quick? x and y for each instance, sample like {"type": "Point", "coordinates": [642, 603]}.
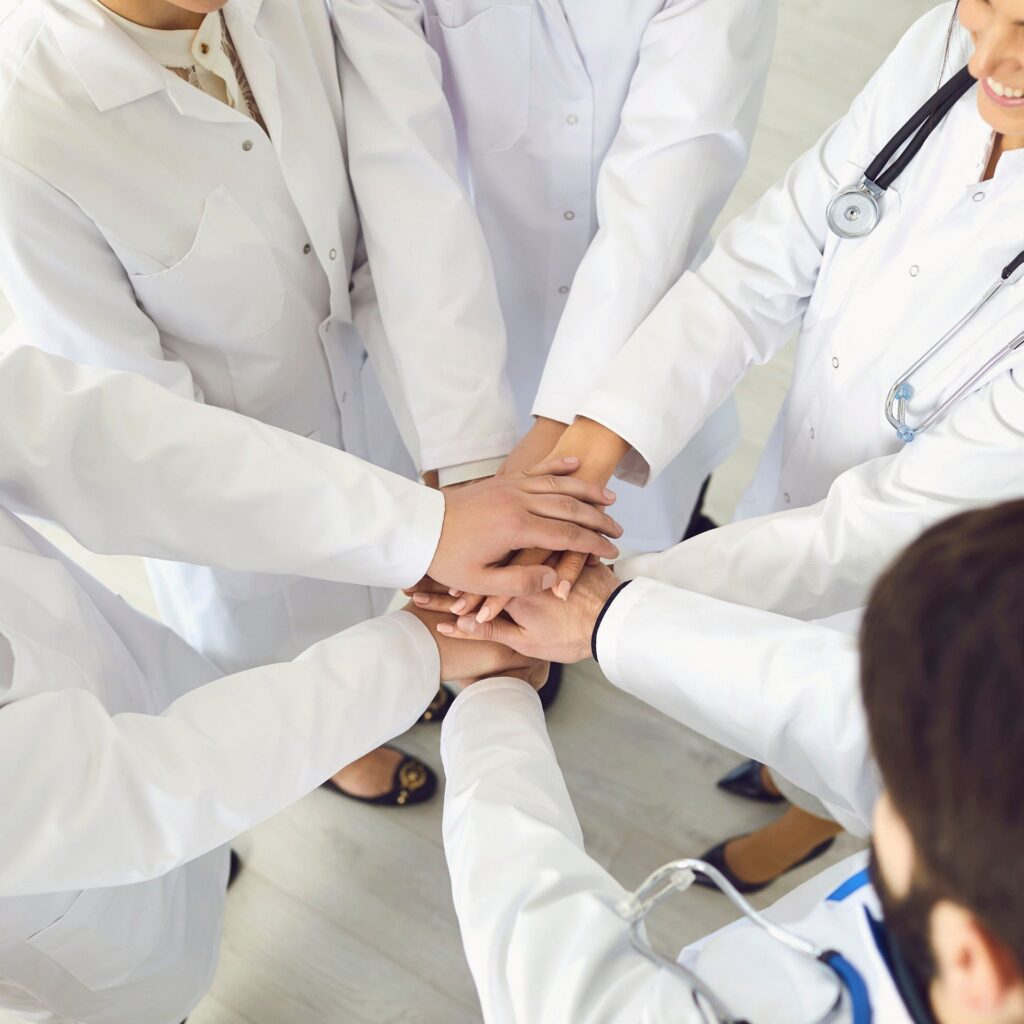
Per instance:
{"type": "Point", "coordinates": [539, 626]}
{"type": "Point", "coordinates": [485, 523]}
{"type": "Point", "coordinates": [524, 537]}
{"type": "Point", "coordinates": [551, 441]}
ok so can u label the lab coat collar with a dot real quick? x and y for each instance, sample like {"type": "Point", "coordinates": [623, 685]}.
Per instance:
{"type": "Point", "coordinates": [257, 61]}
{"type": "Point", "coordinates": [93, 45]}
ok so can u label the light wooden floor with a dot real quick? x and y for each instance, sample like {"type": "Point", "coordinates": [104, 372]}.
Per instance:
{"type": "Point", "coordinates": [343, 914]}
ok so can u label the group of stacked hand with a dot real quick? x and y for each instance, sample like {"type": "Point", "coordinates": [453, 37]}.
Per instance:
{"type": "Point", "coordinates": [518, 567]}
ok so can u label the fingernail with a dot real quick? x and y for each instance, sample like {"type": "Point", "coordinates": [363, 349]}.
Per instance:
{"type": "Point", "coordinates": [421, 599]}
{"type": "Point", "coordinates": [608, 495]}
{"type": "Point", "coordinates": [445, 627]}
{"type": "Point", "coordinates": [459, 606]}
{"type": "Point", "coordinates": [453, 592]}
{"type": "Point", "coordinates": [562, 590]}
{"type": "Point", "coordinates": [484, 614]}
{"type": "Point", "coordinates": [548, 580]}
{"type": "Point", "coordinates": [571, 460]}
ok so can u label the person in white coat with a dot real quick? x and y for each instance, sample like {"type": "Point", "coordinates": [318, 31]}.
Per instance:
{"type": "Point", "coordinates": [931, 931]}
{"type": "Point", "coordinates": [131, 762]}
{"type": "Point", "coordinates": [600, 140]}
{"type": "Point", "coordinates": [838, 491]}
{"type": "Point", "coordinates": [221, 197]}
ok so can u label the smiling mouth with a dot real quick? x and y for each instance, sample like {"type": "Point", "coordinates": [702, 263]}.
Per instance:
{"type": "Point", "coordinates": [1003, 95]}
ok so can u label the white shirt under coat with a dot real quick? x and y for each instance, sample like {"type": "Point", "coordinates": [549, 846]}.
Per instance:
{"type": "Point", "coordinates": [838, 495]}
{"type": "Point", "coordinates": [600, 140]}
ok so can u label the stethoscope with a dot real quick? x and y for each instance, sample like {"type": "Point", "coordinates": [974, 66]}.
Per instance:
{"type": "Point", "coordinates": [855, 211]}
{"type": "Point", "coordinates": [850, 990]}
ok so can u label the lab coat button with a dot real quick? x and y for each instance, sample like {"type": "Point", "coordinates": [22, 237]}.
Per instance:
{"type": "Point", "coordinates": [915, 270]}
{"type": "Point", "coordinates": [204, 48]}
{"type": "Point", "coordinates": [785, 497]}
{"type": "Point", "coordinates": [564, 290]}
{"type": "Point", "coordinates": [571, 119]}
{"type": "Point", "coordinates": [812, 433]}
{"type": "Point", "coordinates": [247, 145]}
{"type": "Point", "coordinates": [307, 249]}
{"type": "Point", "coordinates": [334, 254]}
{"type": "Point", "coordinates": [835, 363]}
{"type": "Point", "coordinates": [978, 196]}
{"type": "Point", "coordinates": [569, 215]}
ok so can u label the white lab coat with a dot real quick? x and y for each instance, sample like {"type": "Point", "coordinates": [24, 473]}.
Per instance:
{"type": "Point", "coordinates": [131, 763]}
{"type": "Point", "coordinates": [539, 918]}
{"type": "Point", "coordinates": [840, 493]}
{"type": "Point", "coordinates": [146, 226]}
{"type": "Point", "coordinates": [600, 140]}
{"type": "Point", "coordinates": [112, 457]}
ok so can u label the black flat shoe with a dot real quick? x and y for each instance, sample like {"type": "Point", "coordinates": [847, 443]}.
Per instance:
{"type": "Point", "coordinates": [716, 858]}
{"type": "Point", "coordinates": [234, 870]}
{"type": "Point", "coordinates": [413, 783]}
{"type": "Point", "coordinates": [745, 781]}
{"type": "Point", "coordinates": [549, 691]}
{"type": "Point", "coordinates": [438, 706]}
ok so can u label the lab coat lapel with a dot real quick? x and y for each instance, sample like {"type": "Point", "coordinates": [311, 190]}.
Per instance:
{"type": "Point", "coordinates": [299, 119]}
{"type": "Point", "coordinates": [556, 17]}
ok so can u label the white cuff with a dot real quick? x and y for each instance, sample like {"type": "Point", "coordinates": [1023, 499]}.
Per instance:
{"type": "Point", "coordinates": [466, 471]}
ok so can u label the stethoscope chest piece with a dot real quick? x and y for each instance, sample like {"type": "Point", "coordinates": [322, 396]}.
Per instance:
{"type": "Point", "coordinates": [854, 212]}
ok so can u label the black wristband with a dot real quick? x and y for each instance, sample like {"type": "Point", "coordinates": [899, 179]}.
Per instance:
{"type": "Point", "coordinates": [600, 617]}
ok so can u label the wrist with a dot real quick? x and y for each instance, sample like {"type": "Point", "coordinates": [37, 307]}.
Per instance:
{"type": "Point", "coordinates": [599, 449]}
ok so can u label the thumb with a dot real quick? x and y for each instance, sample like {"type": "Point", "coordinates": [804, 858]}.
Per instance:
{"type": "Point", "coordinates": [516, 580]}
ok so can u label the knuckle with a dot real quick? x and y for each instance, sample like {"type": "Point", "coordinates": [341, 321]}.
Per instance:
{"type": "Point", "coordinates": [551, 482]}
{"type": "Point", "coordinates": [568, 506]}
{"type": "Point", "coordinates": [572, 531]}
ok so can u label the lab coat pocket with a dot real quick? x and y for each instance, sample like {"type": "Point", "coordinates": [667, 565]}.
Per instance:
{"type": "Point", "coordinates": [487, 74]}
{"type": "Point", "coordinates": [107, 934]}
{"type": "Point", "coordinates": [225, 289]}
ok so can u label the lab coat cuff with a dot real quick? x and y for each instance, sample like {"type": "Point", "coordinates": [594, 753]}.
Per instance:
{"type": "Point", "coordinates": [491, 446]}
{"type": "Point", "coordinates": [421, 646]}
{"type": "Point", "coordinates": [641, 463]}
{"type": "Point", "coordinates": [488, 697]}
{"type": "Point", "coordinates": [421, 534]}
{"type": "Point", "coordinates": [555, 405]}
{"type": "Point", "coordinates": [610, 639]}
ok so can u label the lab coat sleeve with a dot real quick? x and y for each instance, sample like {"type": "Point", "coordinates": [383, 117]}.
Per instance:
{"type": "Point", "coordinates": [747, 299]}
{"type": "Point", "coordinates": [431, 320]}
{"type": "Point", "coordinates": [782, 692]}
{"type": "Point", "coordinates": [132, 796]}
{"type": "Point", "coordinates": [682, 144]}
{"type": "Point", "coordinates": [129, 467]}
{"type": "Point", "coordinates": [545, 942]}
{"type": "Point", "coordinates": [814, 562]}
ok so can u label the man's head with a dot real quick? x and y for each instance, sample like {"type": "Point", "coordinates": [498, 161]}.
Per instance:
{"type": "Point", "coordinates": [943, 683]}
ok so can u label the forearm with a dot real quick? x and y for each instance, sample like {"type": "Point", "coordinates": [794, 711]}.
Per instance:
{"type": "Point", "coordinates": [599, 449]}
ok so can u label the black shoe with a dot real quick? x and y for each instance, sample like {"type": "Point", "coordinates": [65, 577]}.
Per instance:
{"type": "Point", "coordinates": [745, 781]}
{"type": "Point", "coordinates": [700, 523]}
{"type": "Point", "coordinates": [413, 783]}
{"type": "Point", "coordinates": [438, 706]}
{"type": "Point", "coordinates": [234, 870]}
{"type": "Point", "coordinates": [716, 858]}
{"type": "Point", "coordinates": [549, 691]}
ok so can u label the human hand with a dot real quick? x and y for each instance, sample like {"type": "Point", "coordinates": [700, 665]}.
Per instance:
{"type": "Point", "coordinates": [469, 663]}
{"type": "Point", "coordinates": [486, 521]}
{"type": "Point", "coordinates": [542, 626]}
{"type": "Point", "coordinates": [599, 451]}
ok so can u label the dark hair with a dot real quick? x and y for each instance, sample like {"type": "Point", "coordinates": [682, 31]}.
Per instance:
{"type": "Point", "coordinates": [942, 666]}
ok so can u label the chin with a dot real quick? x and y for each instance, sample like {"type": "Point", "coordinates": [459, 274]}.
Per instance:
{"type": "Point", "coordinates": [201, 6]}
{"type": "Point", "coordinates": [1000, 119]}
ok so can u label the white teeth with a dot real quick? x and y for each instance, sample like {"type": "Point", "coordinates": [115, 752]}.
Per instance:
{"type": "Point", "coordinates": [1004, 90]}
